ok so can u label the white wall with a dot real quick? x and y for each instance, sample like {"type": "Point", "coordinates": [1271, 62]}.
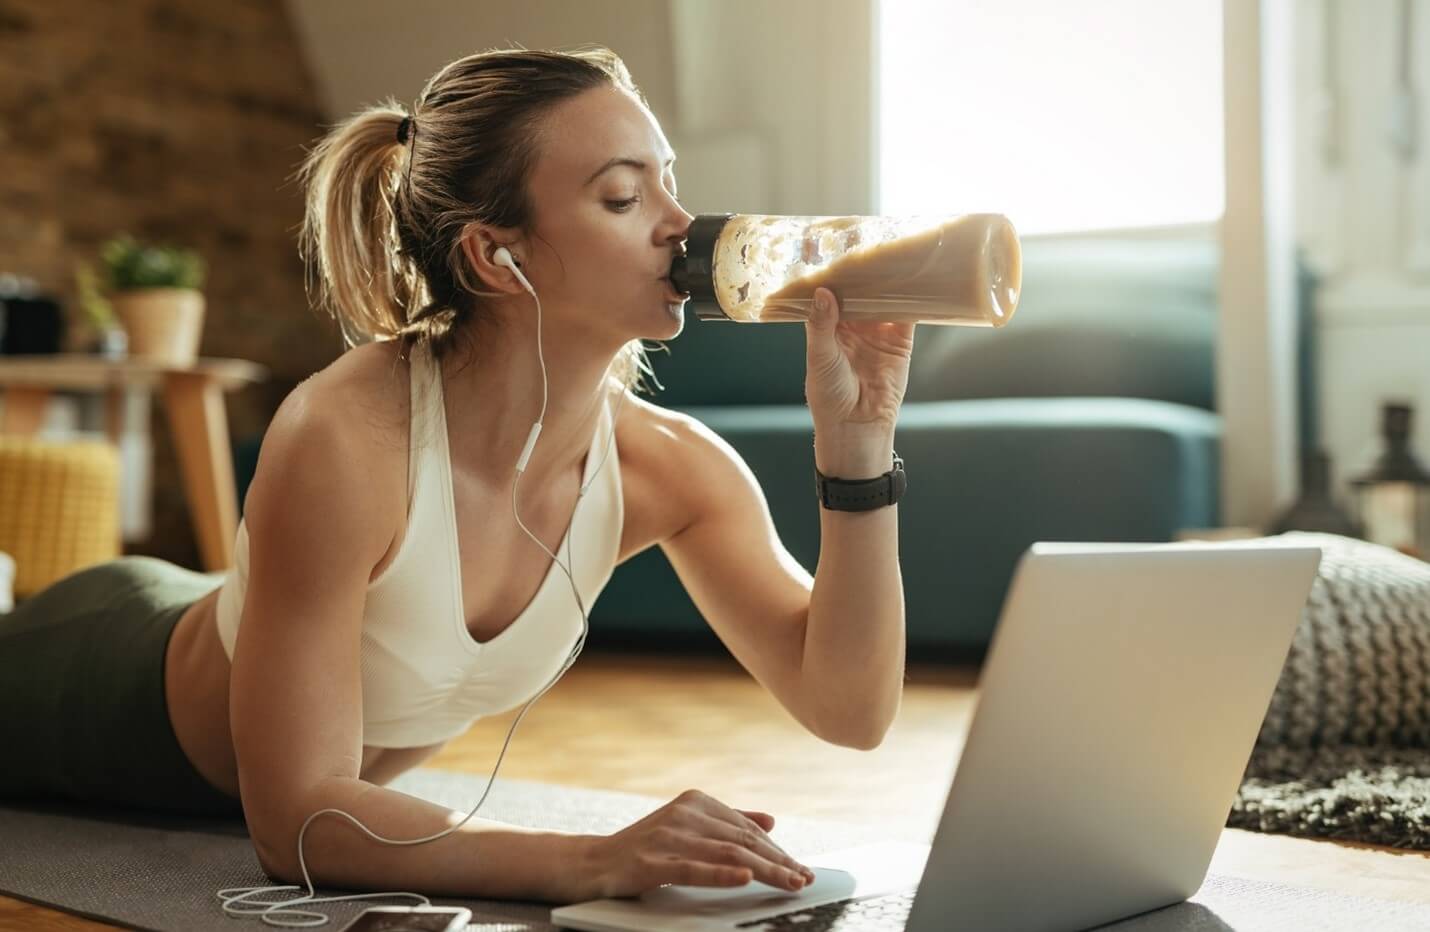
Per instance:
{"type": "Point", "coordinates": [795, 79]}
{"type": "Point", "coordinates": [1255, 364]}
{"type": "Point", "coordinates": [1364, 215]}
{"type": "Point", "coordinates": [768, 105]}
{"type": "Point", "coordinates": [361, 51]}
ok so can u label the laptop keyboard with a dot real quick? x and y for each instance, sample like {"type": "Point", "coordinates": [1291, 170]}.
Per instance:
{"type": "Point", "coordinates": [888, 912]}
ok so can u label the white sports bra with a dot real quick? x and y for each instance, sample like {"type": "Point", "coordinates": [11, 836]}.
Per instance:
{"type": "Point", "coordinates": [425, 679]}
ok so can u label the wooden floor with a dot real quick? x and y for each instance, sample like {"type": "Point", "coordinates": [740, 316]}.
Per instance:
{"type": "Point", "coordinates": [660, 725]}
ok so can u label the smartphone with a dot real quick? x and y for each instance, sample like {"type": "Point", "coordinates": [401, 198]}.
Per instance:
{"type": "Point", "coordinates": [411, 919]}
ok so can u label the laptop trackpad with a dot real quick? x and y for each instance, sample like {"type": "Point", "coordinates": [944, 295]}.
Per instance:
{"type": "Point", "coordinates": [853, 872]}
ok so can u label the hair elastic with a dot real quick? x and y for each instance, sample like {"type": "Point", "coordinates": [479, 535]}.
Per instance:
{"type": "Point", "coordinates": [405, 130]}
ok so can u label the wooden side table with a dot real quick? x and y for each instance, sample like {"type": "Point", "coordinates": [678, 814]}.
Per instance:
{"type": "Point", "coordinates": [193, 400]}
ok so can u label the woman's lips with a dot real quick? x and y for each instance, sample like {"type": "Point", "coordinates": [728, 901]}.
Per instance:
{"type": "Point", "coordinates": [672, 293]}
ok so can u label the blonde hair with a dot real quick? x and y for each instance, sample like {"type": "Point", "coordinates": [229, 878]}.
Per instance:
{"type": "Point", "coordinates": [383, 224]}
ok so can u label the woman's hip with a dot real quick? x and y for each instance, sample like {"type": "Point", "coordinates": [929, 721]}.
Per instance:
{"type": "Point", "coordinates": [82, 706]}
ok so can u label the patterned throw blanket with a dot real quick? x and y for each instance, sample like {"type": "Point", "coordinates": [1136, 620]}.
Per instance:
{"type": "Point", "coordinates": [1344, 751]}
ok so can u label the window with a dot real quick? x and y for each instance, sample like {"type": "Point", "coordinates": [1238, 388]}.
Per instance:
{"type": "Point", "coordinates": [1064, 116]}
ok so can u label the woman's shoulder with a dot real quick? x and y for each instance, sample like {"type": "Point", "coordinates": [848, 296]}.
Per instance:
{"type": "Point", "coordinates": [363, 392]}
{"type": "Point", "coordinates": [349, 416]}
{"type": "Point", "coordinates": [657, 448]}
{"type": "Point", "coordinates": [642, 427]}
{"type": "Point", "coordinates": [340, 429]}
{"type": "Point", "coordinates": [645, 427]}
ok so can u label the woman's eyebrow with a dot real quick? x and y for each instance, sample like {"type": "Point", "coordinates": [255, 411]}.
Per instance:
{"type": "Point", "coordinates": [623, 160]}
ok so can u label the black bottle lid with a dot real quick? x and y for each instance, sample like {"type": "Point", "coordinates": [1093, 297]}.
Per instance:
{"type": "Point", "coordinates": [694, 272]}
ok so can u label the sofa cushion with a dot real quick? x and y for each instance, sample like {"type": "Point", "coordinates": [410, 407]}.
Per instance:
{"type": "Point", "coordinates": [1098, 317]}
{"type": "Point", "coordinates": [986, 479]}
{"type": "Point", "coordinates": [717, 362]}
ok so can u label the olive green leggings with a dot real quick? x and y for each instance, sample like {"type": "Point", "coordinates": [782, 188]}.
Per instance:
{"type": "Point", "coordinates": [82, 711]}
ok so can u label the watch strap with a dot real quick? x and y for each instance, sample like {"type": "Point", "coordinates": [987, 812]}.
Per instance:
{"type": "Point", "coordinates": [862, 494]}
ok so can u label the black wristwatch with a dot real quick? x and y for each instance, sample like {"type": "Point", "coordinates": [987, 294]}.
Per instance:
{"type": "Point", "coordinates": [862, 494]}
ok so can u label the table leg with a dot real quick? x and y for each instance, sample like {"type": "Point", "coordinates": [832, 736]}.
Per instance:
{"type": "Point", "coordinates": [199, 424]}
{"type": "Point", "coordinates": [114, 399]}
{"type": "Point", "coordinates": [24, 409]}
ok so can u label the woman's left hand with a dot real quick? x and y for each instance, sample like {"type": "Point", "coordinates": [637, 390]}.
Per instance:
{"type": "Point", "coordinates": [856, 371]}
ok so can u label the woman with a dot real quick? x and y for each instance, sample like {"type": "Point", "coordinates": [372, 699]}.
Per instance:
{"type": "Point", "coordinates": [381, 598]}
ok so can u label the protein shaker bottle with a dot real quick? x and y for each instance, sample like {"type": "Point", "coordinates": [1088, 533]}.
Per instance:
{"type": "Point", "coordinates": [757, 268]}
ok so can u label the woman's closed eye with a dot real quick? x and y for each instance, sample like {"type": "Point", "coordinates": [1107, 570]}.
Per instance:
{"type": "Point", "coordinates": [622, 206]}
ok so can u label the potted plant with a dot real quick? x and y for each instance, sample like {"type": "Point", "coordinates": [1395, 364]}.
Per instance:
{"type": "Point", "coordinates": [154, 291]}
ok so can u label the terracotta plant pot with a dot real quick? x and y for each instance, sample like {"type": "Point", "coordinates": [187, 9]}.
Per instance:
{"type": "Point", "coordinates": [164, 324]}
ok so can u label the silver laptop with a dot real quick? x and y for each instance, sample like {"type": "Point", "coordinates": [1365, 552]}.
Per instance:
{"type": "Point", "coordinates": [1118, 705]}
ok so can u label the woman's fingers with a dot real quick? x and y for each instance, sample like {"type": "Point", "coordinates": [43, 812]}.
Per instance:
{"type": "Point", "coordinates": [764, 820]}
{"type": "Point", "coordinates": [788, 876]}
{"type": "Point", "coordinates": [697, 873]}
{"type": "Point", "coordinates": [751, 838]}
{"type": "Point", "coordinates": [699, 841]}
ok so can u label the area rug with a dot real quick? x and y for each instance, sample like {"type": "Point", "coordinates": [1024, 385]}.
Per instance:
{"type": "Point", "coordinates": [1344, 751]}
{"type": "Point", "coordinates": [1380, 796]}
{"type": "Point", "coordinates": [162, 873]}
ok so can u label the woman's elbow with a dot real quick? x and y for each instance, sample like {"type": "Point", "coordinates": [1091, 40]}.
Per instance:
{"type": "Point", "coordinates": [274, 864]}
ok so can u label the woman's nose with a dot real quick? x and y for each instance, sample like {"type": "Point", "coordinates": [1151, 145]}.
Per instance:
{"type": "Point", "coordinates": [686, 218]}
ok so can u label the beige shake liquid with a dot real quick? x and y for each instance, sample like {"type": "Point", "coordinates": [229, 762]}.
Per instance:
{"type": "Point", "coordinates": [965, 270]}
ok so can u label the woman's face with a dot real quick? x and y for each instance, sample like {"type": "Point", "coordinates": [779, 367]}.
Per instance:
{"type": "Point", "coordinates": [605, 229]}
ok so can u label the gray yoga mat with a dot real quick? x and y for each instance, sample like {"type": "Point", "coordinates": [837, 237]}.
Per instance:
{"type": "Point", "coordinates": [162, 873]}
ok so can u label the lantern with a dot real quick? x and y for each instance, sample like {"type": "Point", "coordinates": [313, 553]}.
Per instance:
{"type": "Point", "coordinates": [1393, 499]}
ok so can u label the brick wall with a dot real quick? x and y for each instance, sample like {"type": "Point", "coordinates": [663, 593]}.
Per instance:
{"type": "Point", "coordinates": [177, 121]}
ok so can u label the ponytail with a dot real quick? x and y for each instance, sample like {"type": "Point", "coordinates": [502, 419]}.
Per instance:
{"type": "Point", "coordinates": [349, 236]}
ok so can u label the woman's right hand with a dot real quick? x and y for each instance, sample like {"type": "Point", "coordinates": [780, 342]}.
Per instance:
{"type": "Point", "coordinates": [694, 840]}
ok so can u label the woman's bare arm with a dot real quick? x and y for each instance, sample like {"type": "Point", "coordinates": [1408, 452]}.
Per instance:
{"type": "Point", "coordinates": [486, 859]}
{"type": "Point", "coordinates": [318, 524]}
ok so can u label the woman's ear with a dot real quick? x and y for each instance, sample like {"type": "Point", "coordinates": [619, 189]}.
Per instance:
{"type": "Point", "coordinates": [479, 241]}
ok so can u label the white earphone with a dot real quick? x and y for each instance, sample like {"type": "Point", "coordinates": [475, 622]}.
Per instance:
{"type": "Point", "coordinates": [268, 911]}
{"type": "Point", "coordinates": [503, 256]}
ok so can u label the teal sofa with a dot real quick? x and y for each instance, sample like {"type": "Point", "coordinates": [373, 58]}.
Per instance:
{"type": "Point", "coordinates": [1089, 417]}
